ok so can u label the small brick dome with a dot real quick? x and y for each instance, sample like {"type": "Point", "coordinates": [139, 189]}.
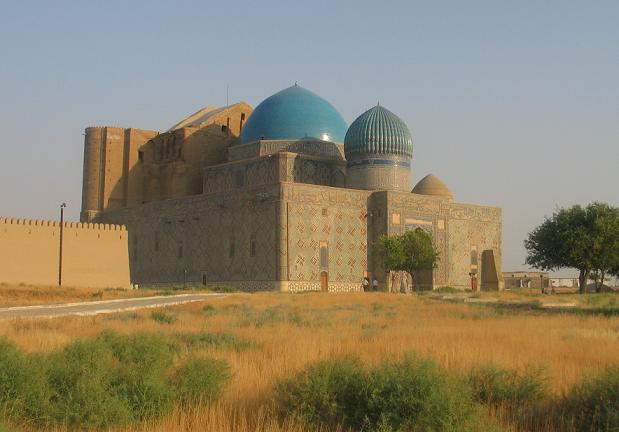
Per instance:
{"type": "Point", "coordinates": [432, 185]}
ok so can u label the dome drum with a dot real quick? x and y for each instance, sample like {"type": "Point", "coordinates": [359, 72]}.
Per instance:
{"type": "Point", "coordinates": [379, 172]}
{"type": "Point", "coordinates": [385, 161]}
{"type": "Point", "coordinates": [376, 175]}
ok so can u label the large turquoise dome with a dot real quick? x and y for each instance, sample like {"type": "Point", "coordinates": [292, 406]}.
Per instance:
{"type": "Point", "coordinates": [294, 113]}
{"type": "Point", "coordinates": [378, 131]}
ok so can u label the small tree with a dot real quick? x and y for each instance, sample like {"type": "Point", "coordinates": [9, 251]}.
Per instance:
{"type": "Point", "coordinates": [410, 252]}
{"type": "Point", "coordinates": [586, 239]}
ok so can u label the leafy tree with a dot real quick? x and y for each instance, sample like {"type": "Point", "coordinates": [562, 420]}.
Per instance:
{"type": "Point", "coordinates": [410, 252]}
{"type": "Point", "coordinates": [586, 239]}
{"type": "Point", "coordinates": [605, 220]}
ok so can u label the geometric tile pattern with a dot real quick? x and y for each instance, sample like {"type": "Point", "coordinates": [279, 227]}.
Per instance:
{"type": "Point", "coordinates": [344, 230]}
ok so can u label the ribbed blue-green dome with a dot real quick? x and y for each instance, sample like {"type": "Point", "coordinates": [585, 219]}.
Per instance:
{"type": "Point", "coordinates": [294, 113]}
{"type": "Point", "coordinates": [378, 131]}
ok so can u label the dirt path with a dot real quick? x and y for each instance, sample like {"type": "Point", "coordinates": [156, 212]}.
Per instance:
{"type": "Point", "coordinates": [101, 307]}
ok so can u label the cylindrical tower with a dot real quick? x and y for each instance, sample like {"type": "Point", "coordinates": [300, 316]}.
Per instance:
{"type": "Point", "coordinates": [379, 149]}
{"type": "Point", "coordinates": [91, 184]}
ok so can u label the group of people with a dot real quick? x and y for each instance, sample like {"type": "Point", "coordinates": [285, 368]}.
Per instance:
{"type": "Point", "coordinates": [366, 284]}
{"type": "Point", "coordinates": [398, 282]}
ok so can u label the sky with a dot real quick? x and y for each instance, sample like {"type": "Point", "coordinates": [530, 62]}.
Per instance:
{"type": "Point", "coordinates": [511, 103]}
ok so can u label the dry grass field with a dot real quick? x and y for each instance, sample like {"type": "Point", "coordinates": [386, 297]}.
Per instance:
{"type": "Point", "coordinates": [26, 295]}
{"type": "Point", "coordinates": [277, 335]}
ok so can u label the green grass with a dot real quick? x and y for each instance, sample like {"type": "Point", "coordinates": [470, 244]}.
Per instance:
{"type": "Point", "coordinates": [163, 317]}
{"type": "Point", "coordinates": [3, 426]}
{"type": "Point", "coordinates": [593, 404]}
{"type": "Point", "coordinates": [515, 391]}
{"type": "Point", "coordinates": [223, 289]}
{"type": "Point", "coordinates": [127, 316]}
{"type": "Point", "coordinates": [217, 340]}
{"type": "Point", "coordinates": [243, 309]}
{"type": "Point", "coordinates": [447, 290]}
{"type": "Point", "coordinates": [274, 315]}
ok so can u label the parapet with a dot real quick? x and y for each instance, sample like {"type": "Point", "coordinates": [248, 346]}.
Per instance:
{"type": "Point", "coordinates": [68, 225]}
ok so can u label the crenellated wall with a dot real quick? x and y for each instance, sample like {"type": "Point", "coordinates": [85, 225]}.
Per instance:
{"type": "Point", "coordinates": [94, 255]}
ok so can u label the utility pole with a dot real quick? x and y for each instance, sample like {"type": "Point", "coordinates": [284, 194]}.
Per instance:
{"type": "Point", "coordinates": [62, 207]}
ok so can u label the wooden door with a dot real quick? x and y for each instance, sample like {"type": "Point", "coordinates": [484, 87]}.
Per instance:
{"type": "Point", "coordinates": [324, 281]}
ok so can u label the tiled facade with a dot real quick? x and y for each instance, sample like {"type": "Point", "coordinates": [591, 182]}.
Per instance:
{"type": "Point", "coordinates": [270, 236]}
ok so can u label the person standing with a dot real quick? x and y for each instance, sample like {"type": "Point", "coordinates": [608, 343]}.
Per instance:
{"type": "Point", "coordinates": [375, 284]}
{"type": "Point", "coordinates": [365, 284]}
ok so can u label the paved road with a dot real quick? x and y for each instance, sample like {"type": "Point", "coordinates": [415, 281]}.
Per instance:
{"type": "Point", "coordinates": [100, 307]}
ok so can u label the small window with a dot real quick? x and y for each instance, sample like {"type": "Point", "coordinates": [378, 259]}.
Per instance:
{"type": "Point", "coordinates": [324, 212]}
{"type": "Point", "coordinates": [140, 156]}
{"type": "Point", "coordinates": [252, 245]}
{"type": "Point", "coordinates": [180, 249]}
{"type": "Point", "coordinates": [231, 250]}
{"type": "Point", "coordinates": [156, 241]}
{"type": "Point", "coordinates": [224, 128]}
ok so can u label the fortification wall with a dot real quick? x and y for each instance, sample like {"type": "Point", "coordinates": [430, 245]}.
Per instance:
{"type": "Point", "coordinates": [94, 255]}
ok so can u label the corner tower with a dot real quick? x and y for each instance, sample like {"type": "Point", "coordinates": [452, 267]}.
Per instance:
{"type": "Point", "coordinates": [379, 149]}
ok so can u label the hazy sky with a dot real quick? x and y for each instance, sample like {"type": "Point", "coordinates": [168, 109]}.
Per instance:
{"type": "Point", "coordinates": [514, 104]}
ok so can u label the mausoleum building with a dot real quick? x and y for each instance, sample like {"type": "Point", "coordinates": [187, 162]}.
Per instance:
{"type": "Point", "coordinates": [284, 197]}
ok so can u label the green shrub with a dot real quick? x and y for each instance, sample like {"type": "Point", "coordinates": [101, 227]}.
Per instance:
{"type": "Point", "coordinates": [111, 380]}
{"type": "Point", "coordinates": [219, 340]}
{"type": "Point", "coordinates": [163, 317]}
{"type": "Point", "coordinates": [201, 380]}
{"type": "Point", "coordinates": [23, 386]}
{"type": "Point", "coordinates": [102, 382]}
{"type": "Point", "coordinates": [411, 395]}
{"type": "Point", "coordinates": [495, 386]}
{"type": "Point", "coordinates": [327, 393]}
{"type": "Point", "coordinates": [415, 395]}
{"type": "Point", "coordinates": [209, 310]}
{"type": "Point", "coordinates": [81, 379]}
{"type": "Point", "coordinates": [593, 405]}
